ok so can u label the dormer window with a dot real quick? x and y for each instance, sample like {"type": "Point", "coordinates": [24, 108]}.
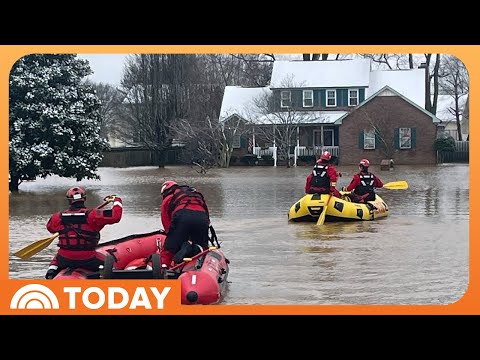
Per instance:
{"type": "Point", "coordinates": [285, 99]}
{"type": "Point", "coordinates": [307, 98]}
{"type": "Point", "coordinates": [352, 97]}
{"type": "Point", "coordinates": [331, 98]}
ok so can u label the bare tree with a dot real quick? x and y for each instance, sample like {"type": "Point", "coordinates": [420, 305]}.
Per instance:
{"type": "Point", "coordinates": [155, 95]}
{"type": "Point", "coordinates": [110, 108]}
{"type": "Point", "coordinates": [381, 129]}
{"type": "Point", "coordinates": [431, 100]}
{"type": "Point", "coordinates": [455, 82]}
{"type": "Point", "coordinates": [277, 125]}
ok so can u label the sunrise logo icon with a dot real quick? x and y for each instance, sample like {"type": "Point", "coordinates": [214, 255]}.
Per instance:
{"type": "Point", "coordinates": [34, 296]}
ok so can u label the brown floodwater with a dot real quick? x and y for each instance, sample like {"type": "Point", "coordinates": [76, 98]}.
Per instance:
{"type": "Point", "coordinates": [419, 254]}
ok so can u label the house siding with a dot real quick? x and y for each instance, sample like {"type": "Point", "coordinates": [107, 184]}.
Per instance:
{"type": "Point", "coordinates": [319, 99]}
{"type": "Point", "coordinates": [397, 112]}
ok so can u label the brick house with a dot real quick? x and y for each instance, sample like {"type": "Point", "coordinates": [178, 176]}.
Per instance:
{"type": "Point", "coordinates": [341, 106]}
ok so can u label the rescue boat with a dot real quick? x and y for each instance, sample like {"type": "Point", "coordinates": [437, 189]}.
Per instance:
{"type": "Point", "coordinates": [203, 277]}
{"type": "Point", "coordinates": [310, 206]}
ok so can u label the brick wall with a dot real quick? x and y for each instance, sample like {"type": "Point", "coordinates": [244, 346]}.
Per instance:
{"type": "Point", "coordinates": [396, 112]}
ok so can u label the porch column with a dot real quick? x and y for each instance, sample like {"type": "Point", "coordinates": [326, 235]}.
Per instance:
{"type": "Point", "coordinates": [296, 148]}
{"type": "Point", "coordinates": [275, 148]}
{"type": "Point", "coordinates": [321, 136]}
{"type": "Point", "coordinates": [253, 138]}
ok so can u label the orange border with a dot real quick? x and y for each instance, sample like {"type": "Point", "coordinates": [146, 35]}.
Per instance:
{"type": "Point", "coordinates": [469, 54]}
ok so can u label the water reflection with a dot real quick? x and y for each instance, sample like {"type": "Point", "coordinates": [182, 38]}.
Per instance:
{"type": "Point", "coordinates": [419, 254]}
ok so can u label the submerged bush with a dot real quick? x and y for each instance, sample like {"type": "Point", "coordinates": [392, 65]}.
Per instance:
{"type": "Point", "coordinates": [446, 143]}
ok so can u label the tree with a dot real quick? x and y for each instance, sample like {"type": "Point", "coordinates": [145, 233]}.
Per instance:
{"type": "Point", "coordinates": [381, 130]}
{"type": "Point", "coordinates": [455, 82]}
{"type": "Point", "coordinates": [277, 125]}
{"type": "Point", "coordinates": [54, 120]}
{"type": "Point", "coordinates": [158, 90]}
{"type": "Point", "coordinates": [110, 108]}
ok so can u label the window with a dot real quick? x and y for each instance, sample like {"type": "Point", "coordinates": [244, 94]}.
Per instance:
{"type": "Point", "coordinates": [331, 98]}
{"type": "Point", "coordinates": [307, 98]}
{"type": "Point", "coordinates": [369, 139]}
{"type": "Point", "coordinates": [236, 142]}
{"type": "Point", "coordinates": [405, 138]}
{"type": "Point", "coordinates": [286, 99]}
{"type": "Point", "coordinates": [353, 97]}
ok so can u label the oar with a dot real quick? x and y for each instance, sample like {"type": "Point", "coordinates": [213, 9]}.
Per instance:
{"type": "Point", "coordinates": [396, 185]}
{"type": "Point", "coordinates": [321, 218]}
{"type": "Point", "coordinates": [186, 260]}
{"type": "Point", "coordinates": [28, 251]}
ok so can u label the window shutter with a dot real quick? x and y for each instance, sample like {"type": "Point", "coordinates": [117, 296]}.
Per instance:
{"type": "Point", "coordinates": [243, 142]}
{"type": "Point", "coordinates": [360, 140]}
{"type": "Point", "coordinates": [396, 138]}
{"type": "Point", "coordinates": [323, 98]}
{"type": "Point", "coordinates": [361, 95]}
{"type": "Point", "coordinates": [414, 137]}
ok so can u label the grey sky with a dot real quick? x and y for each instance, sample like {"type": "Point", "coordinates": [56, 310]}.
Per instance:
{"type": "Point", "coordinates": [107, 68]}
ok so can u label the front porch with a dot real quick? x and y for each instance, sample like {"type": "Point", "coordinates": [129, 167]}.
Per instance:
{"type": "Point", "coordinates": [296, 152]}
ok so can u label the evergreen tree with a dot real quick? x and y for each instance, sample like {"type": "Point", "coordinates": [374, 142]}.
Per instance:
{"type": "Point", "coordinates": [54, 119]}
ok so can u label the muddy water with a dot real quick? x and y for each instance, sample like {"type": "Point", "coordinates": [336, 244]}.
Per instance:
{"type": "Point", "coordinates": [419, 254]}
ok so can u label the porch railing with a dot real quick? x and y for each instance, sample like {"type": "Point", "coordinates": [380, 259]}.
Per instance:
{"type": "Point", "coordinates": [298, 151]}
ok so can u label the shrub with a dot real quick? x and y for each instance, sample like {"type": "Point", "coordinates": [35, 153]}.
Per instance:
{"type": "Point", "coordinates": [444, 144]}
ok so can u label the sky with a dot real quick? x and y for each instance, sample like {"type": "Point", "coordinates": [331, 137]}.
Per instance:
{"type": "Point", "coordinates": [107, 68]}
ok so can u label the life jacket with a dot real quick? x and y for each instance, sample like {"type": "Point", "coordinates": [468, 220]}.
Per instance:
{"type": "Point", "coordinates": [183, 197]}
{"type": "Point", "coordinates": [77, 233]}
{"type": "Point", "coordinates": [366, 184]}
{"type": "Point", "coordinates": [320, 176]}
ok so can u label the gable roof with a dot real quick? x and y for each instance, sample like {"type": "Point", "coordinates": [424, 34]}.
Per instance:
{"type": "Point", "coordinates": [387, 89]}
{"type": "Point", "coordinates": [410, 83]}
{"type": "Point", "coordinates": [328, 73]}
{"type": "Point", "coordinates": [238, 100]}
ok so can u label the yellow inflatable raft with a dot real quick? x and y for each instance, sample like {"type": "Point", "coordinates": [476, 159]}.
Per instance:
{"type": "Point", "coordinates": [309, 208]}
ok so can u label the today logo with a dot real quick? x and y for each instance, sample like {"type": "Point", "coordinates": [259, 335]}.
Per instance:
{"type": "Point", "coordinates": [41, 297]}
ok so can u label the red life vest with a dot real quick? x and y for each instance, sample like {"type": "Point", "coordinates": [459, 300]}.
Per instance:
{"type": "Point", "coordinates": [184, 197]}
{"type": "Point", "coordinates": [77, 234]}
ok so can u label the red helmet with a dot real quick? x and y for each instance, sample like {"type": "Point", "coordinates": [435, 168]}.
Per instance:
{"type": "Point", "coordinates": [167, 185]}
{"type": "Point", "coordinates": [364, 163]}
{"type": "Point", "coordinates": [75, 194]}
{"type": "Point", "coordinates": [326, 155]}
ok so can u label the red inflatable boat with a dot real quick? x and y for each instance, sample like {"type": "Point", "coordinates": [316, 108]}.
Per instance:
{"type": "Point", "coordinates": [203, 277]}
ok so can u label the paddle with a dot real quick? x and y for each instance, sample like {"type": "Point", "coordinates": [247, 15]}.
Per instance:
{"type": "Point", "coordinates": [396, 185]}
{"type": "Point", "coordinates": [28, 251]}
{"type": "Point", "coordinates": [321, 218]}
{"type": "Point", "coordinates": [185, 260]}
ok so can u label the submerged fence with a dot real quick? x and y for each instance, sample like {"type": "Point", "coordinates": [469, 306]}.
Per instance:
{"type": "Point", "coordinates": [460, 155]}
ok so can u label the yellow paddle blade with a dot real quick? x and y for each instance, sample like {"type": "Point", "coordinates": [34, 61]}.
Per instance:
{"type": "Point", "coordinates": [396, 185]}
{"type": "Point", "coordinates": [321, 218]}
{"type": "Point", "coordinates": [30, 250]}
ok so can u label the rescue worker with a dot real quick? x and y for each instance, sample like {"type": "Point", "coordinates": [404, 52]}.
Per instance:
{"type": "Point", "coordinates": [79, 230]}
{"type": "Point", "coordinates": [323, 178]}
{"type": "Point", "coordinates": [363, 184]}
{"type": "Point", "coordinates": [185, 219]}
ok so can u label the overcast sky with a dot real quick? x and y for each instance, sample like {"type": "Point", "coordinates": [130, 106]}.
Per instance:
{"type": "Point", "coordinates": [107, 68]}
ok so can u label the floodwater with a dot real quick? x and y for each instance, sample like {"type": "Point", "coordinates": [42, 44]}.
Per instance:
{"type": "Point", "coordinates": [419, 254]}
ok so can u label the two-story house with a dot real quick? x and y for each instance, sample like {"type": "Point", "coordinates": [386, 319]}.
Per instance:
{"type": "Point", "coordinates": [342, 106]}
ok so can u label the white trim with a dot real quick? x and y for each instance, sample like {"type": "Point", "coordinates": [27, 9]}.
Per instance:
{"type": "Point", "coordinates": [350, 97]}
{"type": "Point", "coordinates": [364, 138]}
{"type": "Point", "coordinates": [400, 139]}
{"type": "Point", "coordinates": [289, 99]}
{"type": "Point", "coordinates": [326, 97]}
{"type": "Point", "coordinates": [303, 97]}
